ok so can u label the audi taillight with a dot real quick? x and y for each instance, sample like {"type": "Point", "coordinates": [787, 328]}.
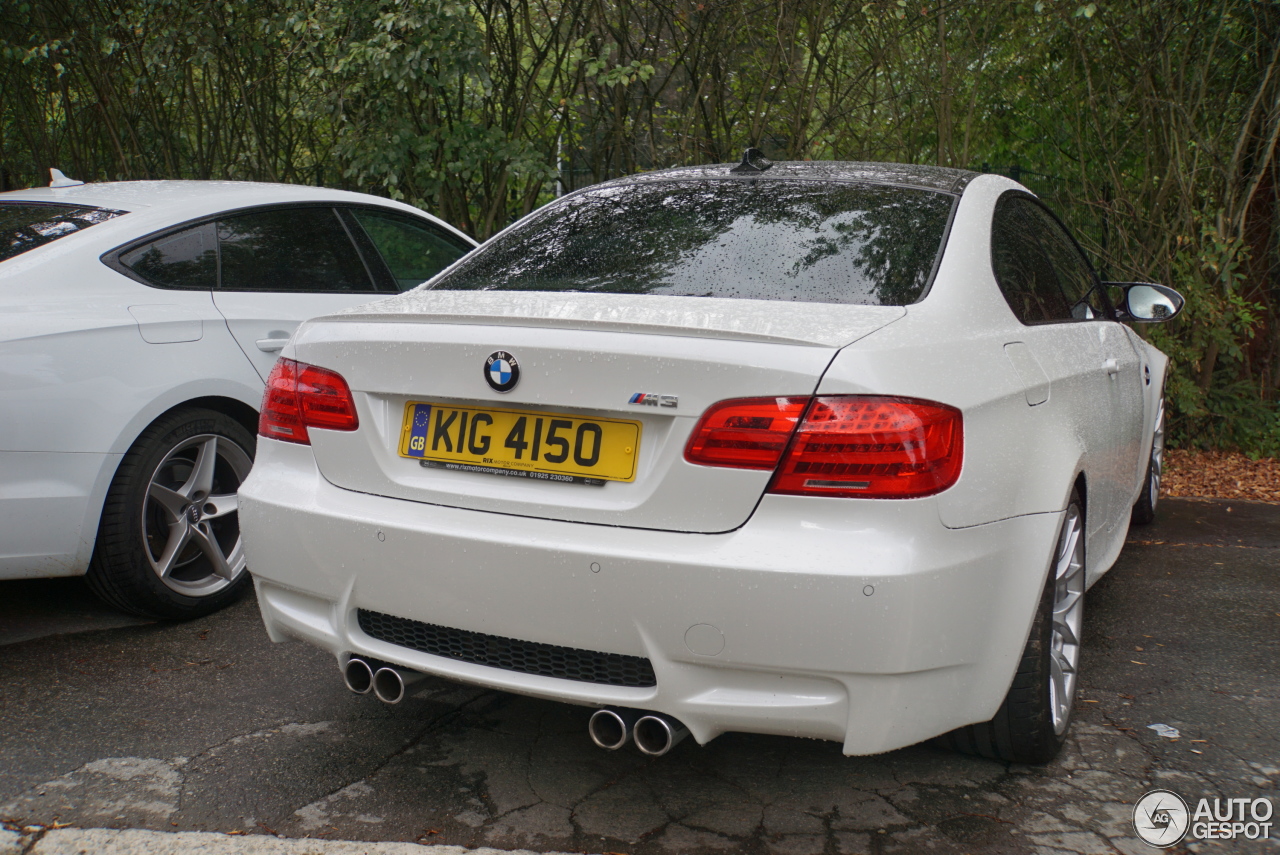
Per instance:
{"type": "Point", "coordinates": [747, 433]}
{"type": "Point", "coordinates": [846, 446]}
{"type": "Point", "coordinates": [299, 396]}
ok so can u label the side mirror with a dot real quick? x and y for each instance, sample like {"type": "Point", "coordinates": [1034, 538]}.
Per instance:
{"type": "Point", "coordinates": [1147, 302]}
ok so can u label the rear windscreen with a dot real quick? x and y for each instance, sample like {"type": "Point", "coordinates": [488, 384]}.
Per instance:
{"type": "Point", "coordinates": [25, 226]}
{"type": "Point", "coordinates": [807, 241]}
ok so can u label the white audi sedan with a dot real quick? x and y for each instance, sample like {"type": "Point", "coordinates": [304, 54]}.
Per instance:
{"type": "Point", "coordinates": [138, 322]}
{"type": "Point", "coordinates": [822, 449]}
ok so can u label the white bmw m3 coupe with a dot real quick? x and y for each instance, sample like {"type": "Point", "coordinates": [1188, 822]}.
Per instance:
{"type": "Point", "coordinates": [822, 449]}
{"type": "Point", "coordinates": [138, 323]}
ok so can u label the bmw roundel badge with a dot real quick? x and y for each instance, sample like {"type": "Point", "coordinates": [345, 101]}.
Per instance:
{"type": "Point", "coordinates": [501, 371]}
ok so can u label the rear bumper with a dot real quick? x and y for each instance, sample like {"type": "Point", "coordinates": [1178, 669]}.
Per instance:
{"type": "Point", "coordinates": [866, 622]}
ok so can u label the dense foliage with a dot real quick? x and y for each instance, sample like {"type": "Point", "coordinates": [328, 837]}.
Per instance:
{"type": "Point", "coordinates": [1151, 124]}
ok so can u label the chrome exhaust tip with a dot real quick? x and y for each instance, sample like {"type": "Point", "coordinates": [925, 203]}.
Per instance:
{"type": "Point", "coordinates": [656, 734]}
{"type": "Point", "coordinates": [358, 676]}
{"type": "Point", "coordinates": [389, 684]}
{"type": "Point", "coordinates": [611, 728]}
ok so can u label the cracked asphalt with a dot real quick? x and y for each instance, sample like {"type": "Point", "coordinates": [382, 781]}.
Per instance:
{"type": "Point", "coordinates": [207, 726]}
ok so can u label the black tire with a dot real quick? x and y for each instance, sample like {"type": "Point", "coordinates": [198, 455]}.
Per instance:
{"type": "Point", "coordinates": [1144, 510]}
{"type": "Point", "coordinates": [1024, 729]}
{"type": "Point", "coordinates": [168, 544]}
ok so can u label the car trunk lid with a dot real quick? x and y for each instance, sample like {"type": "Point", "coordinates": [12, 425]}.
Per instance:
{"type": "Point", "coordinates": [653, 362]}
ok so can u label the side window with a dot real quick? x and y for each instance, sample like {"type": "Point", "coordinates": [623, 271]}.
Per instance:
{"type": "Point", "coordinates": [187, 259]}
{"type": "Point", "coordinates": [413, 249]}
{"type": "Point", "coordinates": [290, 249]}
{"type": "Point", "coordinates": [1023, 267]}
{"type": "Point", "coordinates": [1074, 274]}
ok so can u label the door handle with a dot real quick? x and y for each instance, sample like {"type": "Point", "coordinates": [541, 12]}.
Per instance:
{"type": "Point", "coordinates": [272, 345]}
{"type": "Point", "coordinates": [1112, 367]}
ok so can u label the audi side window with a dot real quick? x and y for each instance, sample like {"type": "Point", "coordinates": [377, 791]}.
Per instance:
{"type": "Point", "coordinates": [1022, 265]}
{"type": "Point", "coordinates": [414, 250]}
{"type": "Point", "coordinates": [186, 260]}
{"type": "Point", "coordinates": [290, 249]}
{"type": "Point", "coordinates": [1076, 278]}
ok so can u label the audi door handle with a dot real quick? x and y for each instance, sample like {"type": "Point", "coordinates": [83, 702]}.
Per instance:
{"type": "Point", "coordinates": [272, 345]}
{"type": "Point", "coordinates": [1112, 367]}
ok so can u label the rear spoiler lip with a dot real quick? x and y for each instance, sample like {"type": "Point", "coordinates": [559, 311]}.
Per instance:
{"type": "Point", "coordinates": [776, 322]}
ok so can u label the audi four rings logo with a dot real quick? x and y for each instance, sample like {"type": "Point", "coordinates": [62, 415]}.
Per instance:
{"type": "Point", "coordinates": [501, 371]}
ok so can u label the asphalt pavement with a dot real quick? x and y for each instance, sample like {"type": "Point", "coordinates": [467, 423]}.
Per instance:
{"type": "Point", "coordinates": [107, 723]}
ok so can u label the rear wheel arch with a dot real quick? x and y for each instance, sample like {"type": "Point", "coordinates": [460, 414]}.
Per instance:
{"type": "Point", "coordinates": [1081, 487]}
{"type": "Point", "coordinates": [231, 407]}
{"type": "Point", "coordinates": [1032, 722]}
{"type": "Point", "coordinates": [231, 403]}
{"type": "Point", "coordinates": [123, 570]}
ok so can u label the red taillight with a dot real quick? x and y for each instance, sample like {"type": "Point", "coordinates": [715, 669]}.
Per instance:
{"type": "Point", "coordinates": [875, 448]}
{"type": "Point", "coordinates": [299, 396]}
{"type": "Point", "coordinates": [853, 446]}
{"type": "Point", "coordinates": [747, 433]}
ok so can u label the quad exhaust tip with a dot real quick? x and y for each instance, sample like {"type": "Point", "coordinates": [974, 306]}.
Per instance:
{"type": "Point", "coordinates": [358, 676]}
{"type": "Point", "coordinates": [654, 733]}
{"type": "Point", "coordinates": [390, 684]}
{"type": "Point", "coordinates": [610, 728]}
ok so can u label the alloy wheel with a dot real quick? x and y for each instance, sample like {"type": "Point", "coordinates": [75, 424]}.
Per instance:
{"type": "Point", "coordinates": [1157, 456]}
{"type": "Point", "coordinates": [190, 520]}
{"type": "Point", "coordinates": [1068, 618]}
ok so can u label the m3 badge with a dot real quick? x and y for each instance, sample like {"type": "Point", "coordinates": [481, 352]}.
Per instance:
{"type": "Point", "coordinates": [649, 399]}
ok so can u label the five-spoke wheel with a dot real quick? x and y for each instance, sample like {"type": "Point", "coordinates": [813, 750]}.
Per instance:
{"type": "Point", "coordinates": [169, 542]}
{"type": "Point", "coordinates": [1068, 618]}
{"type": "Point", "coordinates": [189, 522]}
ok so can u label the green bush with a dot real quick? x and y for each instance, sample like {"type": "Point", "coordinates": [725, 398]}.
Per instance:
{"type": "Point", "coordinates": [1209, 405]}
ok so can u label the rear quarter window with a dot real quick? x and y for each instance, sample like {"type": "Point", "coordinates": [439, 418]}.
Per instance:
{"type": "Point", "coordinates": [187, 259]}
{"type": "Point", "coordinates": [27, 225]}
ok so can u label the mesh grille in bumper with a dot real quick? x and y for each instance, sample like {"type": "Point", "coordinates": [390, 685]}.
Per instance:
{"type": "Point", "coordinates": [509, 654]}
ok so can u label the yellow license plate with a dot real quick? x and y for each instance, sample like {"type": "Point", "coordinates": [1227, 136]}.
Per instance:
{"type": "Point", "coordinates": [546, 446]}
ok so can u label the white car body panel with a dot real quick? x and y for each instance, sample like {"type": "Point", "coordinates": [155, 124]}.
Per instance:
{"type": "Point", "coordinates": [263, 322]}
{"type": "Point", "coordinates": [788, 616]}
{"type": "Point", "coordinates": [1075, 426]}
{"type": "Point", "coordinates": [76, 394]}
{"type": "Point", "coordinates": [45, 501]}
{"type": "Point", "coordinates": [653, 314]}
{"type": "Point", "coordinates": [561, 368]}
{"type": "Point", "coordinates": [874, 622]}
{"type": "Point", "coordinates": [89, 357]}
